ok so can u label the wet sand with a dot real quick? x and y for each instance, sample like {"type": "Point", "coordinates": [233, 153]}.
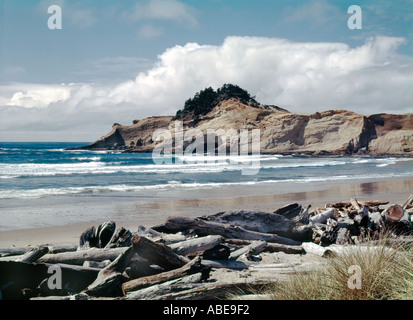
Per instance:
{"type": "Point", "coordinates": [150, 212]}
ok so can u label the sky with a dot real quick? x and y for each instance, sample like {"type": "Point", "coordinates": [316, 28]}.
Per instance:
{"type": "Point", "coordinates": [117, 61]}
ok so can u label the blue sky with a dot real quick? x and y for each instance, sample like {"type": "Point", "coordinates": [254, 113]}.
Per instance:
{"type": "Point", "coordinates": [115, 61]}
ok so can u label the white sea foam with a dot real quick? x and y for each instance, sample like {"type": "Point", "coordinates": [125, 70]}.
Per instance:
{"type": "Point", "coordinates": [173, 184]}
{"type": "Point", "coordinates": [94, 165]}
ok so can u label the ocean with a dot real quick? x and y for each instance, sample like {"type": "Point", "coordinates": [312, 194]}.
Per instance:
{"type": "Point", "coordinates": [43, 184]}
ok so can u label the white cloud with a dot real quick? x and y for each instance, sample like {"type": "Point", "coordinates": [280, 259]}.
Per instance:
{"type": "Point", "coordinates": [40, 96]}
{"type": "Point", "coordinates": [302, 77]}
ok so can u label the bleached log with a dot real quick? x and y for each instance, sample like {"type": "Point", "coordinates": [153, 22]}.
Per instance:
{"type": "Point", "coordinates": [251, 249]}
{"type": "Point", "coordinates": [194, 266]}
{"type": "Point", "coordinates": [158, 290]}
{"type": "Point", "coordinates": [78, 257]}
{"type": "Point", "coordinates": [227, 264]}
{"type": "Point", "coordinates": [156, 236]}
{"type": "Point", "coordinates": [17, 251]}
{"type": "Point", "coordinates": [216, 290]}
{"type": "Point", "coordinates": [271, 247]}
{"type": "Point", "coordinates": [322, 217]}
{"type": "Point", "coordinates": [196, 244]}
{"type": "Point", "coordinates": [355, 204]}
{"type": "Point", "coordinates": [33, 254]}
{"type": "Point", "coordinates": [316, 249]}
{"type": "Point", "coordinates": [204, 228]}
{"type": "Point", "coordinates": [96, 264]}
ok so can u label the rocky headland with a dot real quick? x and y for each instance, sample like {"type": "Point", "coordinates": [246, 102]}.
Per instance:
{"type": "Point", "coordinates": [332, 132]}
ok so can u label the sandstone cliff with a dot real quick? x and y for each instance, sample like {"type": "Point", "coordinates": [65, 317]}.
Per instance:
{"type": "Point", "coordinates": [331, 132]}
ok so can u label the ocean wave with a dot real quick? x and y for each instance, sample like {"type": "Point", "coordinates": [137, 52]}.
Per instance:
{"type": "Point", "coordinates": [94, 166]}
{"type": "Point", "coordinates": [87, 158]}
{"type": "Point", "coordinates": [174, 184]}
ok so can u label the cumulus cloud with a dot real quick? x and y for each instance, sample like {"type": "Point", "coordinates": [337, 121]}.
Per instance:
{"type": "Point", "coordinates": [302, 77]}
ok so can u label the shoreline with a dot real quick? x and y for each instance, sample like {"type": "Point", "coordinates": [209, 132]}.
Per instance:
{"type": "Point", "coordinates": [155, 211]}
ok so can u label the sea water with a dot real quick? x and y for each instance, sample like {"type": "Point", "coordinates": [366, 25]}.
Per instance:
{"type": "Point", "coordinates": [41, 175]}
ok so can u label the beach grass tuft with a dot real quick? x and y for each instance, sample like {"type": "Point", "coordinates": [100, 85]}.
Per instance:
{"type": "Point", "coordinates": [385, 274]}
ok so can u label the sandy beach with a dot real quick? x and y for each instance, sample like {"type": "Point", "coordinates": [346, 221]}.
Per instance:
{"type": "Point", "coordinates": [150, 212]}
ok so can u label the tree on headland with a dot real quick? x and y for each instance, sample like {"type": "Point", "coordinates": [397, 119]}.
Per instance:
{"type": "Point", "coordinates": [207, 99]}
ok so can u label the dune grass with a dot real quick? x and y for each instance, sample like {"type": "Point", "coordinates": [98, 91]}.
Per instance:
{"type": "Point", "coordinates": [385, 274]}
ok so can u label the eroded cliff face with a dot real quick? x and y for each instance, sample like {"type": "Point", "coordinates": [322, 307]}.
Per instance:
{"type": "Point", "coordinates": [331, 132]}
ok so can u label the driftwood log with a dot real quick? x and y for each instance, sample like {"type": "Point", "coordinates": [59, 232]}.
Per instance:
{"type": "Point", "coordinates": [192, 267]}
{"type": "Point", "coordinates": [33, 254]}
{"type": "Point", "coordinates": [196, 244]}
{"type": "Point", "coordinates": [157, 291]}
{"type": "Point", "coordinates": [204, 228]}
{"type": "Point", "coordinates": [251, 249]}
{"type": "Point", "coordinates": [109, 279]}
{"type": "Point", "coordinates": [213, 291]}
{"type": "Point", "coordinates": [270, 247]}
{"type": "Point", "coordinates": [158, 253]}
{"type": "Point", "coordinates": [78, 257]}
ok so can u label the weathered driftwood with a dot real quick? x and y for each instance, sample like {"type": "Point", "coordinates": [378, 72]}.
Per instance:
{"type": "Point", "coordinates": [289, 211]}
{"type": "Point", "coordinates": [285, 268]}
{"type": "Point", "coordinates": [108, 281]}
{"type": "Point", "coordinates": [204, 228]}
{"type": "Point", "coordinates": [156, 291]}
{"type": "Point", "coordinates": [96, 264]}
{"type": "Point", "coordinates": [192, 267]}
{"type": "Point", "coordinates": [303, 217]}
{"type": "Point", "coordinates": [322, 217]}
{"type": "Point", "coordinates": [275, 247]}
{"type": "Point", "coordinates": [213, 291]}
{"type": "Point", "coordinates": [313, 248]}
{"type": "Point", "coordinates": [336, 249]}
{"type": "Point", "coordinates": [79, 257]}
{"type": "Point", "coordinates": [227, 264]}
{"type": "Point", "coordinates": [374, 203]}
{"type": "Point", "coordinates": [196, 244]}
{"type": "Point", "coordinates": [97, 237]}
{"type": "Point", "coordinates": [156, 236]}
{"type": "Point", "coordinates": [251, 249]}
{"type": "Point", "coordinates": [158, 253]}
{"type": "Point", "coordinates": [17, 251]}
{"type": "Point", "coordinates": [355, 204]}
{"type": "Point", "coordinates": [270, 247]}
{"type": "Point", "coordinates": [394, 213]}
{"type": "Point", "coordinates": [263, 222]}
{"type": "Point", "coordinates": [33, 254]}
{"type": "Point", "coordinates": [121, 238]}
